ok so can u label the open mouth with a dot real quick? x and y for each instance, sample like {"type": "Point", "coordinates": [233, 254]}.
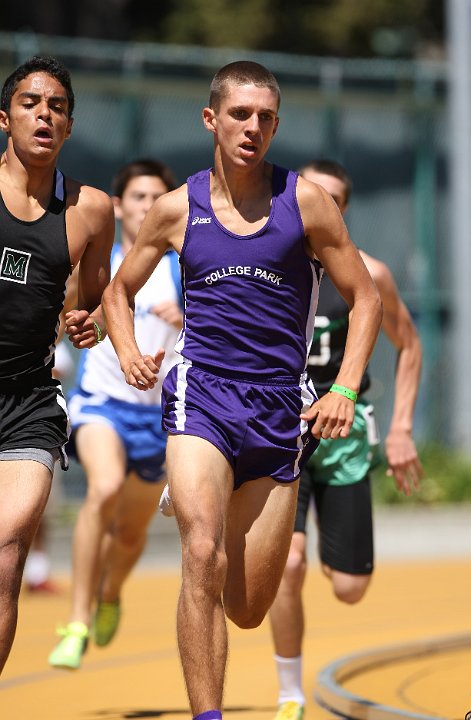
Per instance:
{"type": "Point", "coordinates": [248, 147]}
{"type": "Point", "coordinates": [43, 135]}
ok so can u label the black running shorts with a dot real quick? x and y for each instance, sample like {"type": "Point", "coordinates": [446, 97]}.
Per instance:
{"type": "Point", "coordinates": [33, 416]}
{"type": "Point", "coordinates": [344, 519]}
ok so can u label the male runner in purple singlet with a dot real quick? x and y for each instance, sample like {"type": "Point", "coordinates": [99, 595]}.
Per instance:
{"type": "Point", "coordinates": [242, 418]}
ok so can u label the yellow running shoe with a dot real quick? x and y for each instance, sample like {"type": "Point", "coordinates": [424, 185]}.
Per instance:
{"type": "Point", "coordinates": [68, 653]}
{"type": "Point", "coordinates": [290, 710]}
{"type": "Point", "coordinates": [105, 622]}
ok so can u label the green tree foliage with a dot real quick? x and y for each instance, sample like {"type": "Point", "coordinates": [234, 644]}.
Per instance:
{"type": "Point", "coordinates": [348, 28]}
{"type": "Point", "coordinates": [358, 28]}
{"type": "Point", "coordinates": [339, 25]}
{"type": "Point", "coordinates": [219, 23]}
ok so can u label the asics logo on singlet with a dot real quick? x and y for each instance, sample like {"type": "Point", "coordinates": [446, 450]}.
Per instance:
{"type": "Point", "coordinates": [14, 265]}
{"type": "Point", "coordinates": [200, 220]}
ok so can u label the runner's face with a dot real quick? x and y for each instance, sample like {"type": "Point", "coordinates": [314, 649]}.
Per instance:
{"type": "Point", "coordinates": [245, 123]}
{"type": "Point", "coordinates": [333, 185]}
{"type": "Point", "coordinates": [140, 194]}
{"type": "Point", "coordinates": [38, 120]}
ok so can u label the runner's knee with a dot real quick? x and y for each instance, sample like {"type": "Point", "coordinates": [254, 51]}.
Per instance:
{"type": "Point", "coordinates": [12, 560]}
{"type": "Point", "coordinates": [248, 605]}
{"type": "Point", "coordinates": [204, 563]}
{"type": "Point", "coordinates": [103, 496]}
{"type": "Point", "coordinates": [246, 617]}
{"type": "Point", "coordinates": [350, 589]}
{"type": "Point", "coordinates": [295, 570]}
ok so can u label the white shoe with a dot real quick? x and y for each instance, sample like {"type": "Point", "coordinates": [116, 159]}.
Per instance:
{"type": "Point", "coordinates": [165, 503]}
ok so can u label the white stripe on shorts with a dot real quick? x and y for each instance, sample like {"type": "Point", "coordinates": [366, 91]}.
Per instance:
{"type": "Point", "coordinates": [180, 392]}
{"type": "Point", "coordinates": [308, 396]}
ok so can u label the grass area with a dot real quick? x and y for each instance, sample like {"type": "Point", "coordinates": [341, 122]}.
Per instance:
{"type": "Point", "coordinates": [447, 479]}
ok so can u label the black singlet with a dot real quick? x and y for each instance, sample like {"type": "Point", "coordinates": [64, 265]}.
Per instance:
{"type": "Point", "coordinates": [34, 266]}
{"type": "Point", "coordinates": [330, 336]}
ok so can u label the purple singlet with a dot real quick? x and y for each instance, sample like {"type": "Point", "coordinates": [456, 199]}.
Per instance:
{"type": "Point", "coordinates": [250, 300]}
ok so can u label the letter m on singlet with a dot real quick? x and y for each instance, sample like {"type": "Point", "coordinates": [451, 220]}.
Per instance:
{"type": "Point", "coordinates": [14, 265]}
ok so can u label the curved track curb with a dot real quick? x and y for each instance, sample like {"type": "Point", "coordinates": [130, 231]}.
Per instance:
{"type": "Point", "coordinates": [331, 694]}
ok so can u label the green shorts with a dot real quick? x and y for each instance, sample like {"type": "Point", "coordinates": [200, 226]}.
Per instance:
{"type": "Point", "coordinates": [348, 460]}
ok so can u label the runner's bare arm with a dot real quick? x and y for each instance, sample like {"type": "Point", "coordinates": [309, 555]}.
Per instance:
{"type": "Point", "coordinates": [401, 452]}
{"type": "Point", "coordinates": [328, 240]}
{"type": "Point", "coordinates": [90, 225]}
{"type": "Point", "coordinates": [163, 227]}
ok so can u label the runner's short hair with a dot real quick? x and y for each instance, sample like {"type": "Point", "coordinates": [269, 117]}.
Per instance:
{"type": "Point", "coordinates": [241, 72]}
{"type": "Point", "coordinates": [38, 63]}
{"type": "Point", "coordinates": [137, 168]}
{"type": "Point", "coordinates": [330, 167]}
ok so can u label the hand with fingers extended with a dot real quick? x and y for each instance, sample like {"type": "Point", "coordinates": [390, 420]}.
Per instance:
{"type": "Point", "coordinates": [82, 329]}
{"type": "Point", "coordinates": [143, 371]}
{"type": "Point", "coordinates": [403, 461]}
{"type": "Point", "coordinates": [331, 416]}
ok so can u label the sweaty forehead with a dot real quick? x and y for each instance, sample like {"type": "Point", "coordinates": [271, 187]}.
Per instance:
{"type": "Point", "coordinates": [250, 94]}
{"type": "Point", "coordinates": [41, 83]}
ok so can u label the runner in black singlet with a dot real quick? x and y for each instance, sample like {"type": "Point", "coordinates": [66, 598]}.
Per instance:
{"type": "Point", "coordinates": [48, 223]}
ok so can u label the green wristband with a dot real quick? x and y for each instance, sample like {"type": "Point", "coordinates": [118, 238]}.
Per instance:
{"type": "Point", "coordinates": [99, 334]}
{"type": "Point", "coordinates": [350, 394]}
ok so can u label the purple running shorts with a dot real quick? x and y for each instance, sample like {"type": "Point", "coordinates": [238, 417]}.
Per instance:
{"type": "Point", "coordinates": [254, 423]}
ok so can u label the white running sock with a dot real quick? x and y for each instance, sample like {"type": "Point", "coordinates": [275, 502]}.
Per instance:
{"type": "Point", "coordinates": [290, 679]}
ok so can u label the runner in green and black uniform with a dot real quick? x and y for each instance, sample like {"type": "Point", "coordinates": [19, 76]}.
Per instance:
{"type": "Point", "coordinates": [337, 475]}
